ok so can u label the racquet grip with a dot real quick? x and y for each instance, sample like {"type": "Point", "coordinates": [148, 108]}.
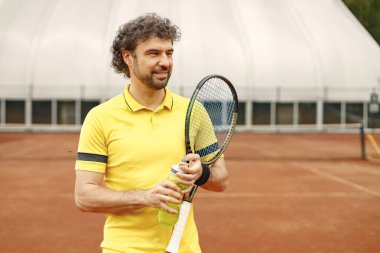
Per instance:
{"type": "Point", "coordinates": [175, 239]}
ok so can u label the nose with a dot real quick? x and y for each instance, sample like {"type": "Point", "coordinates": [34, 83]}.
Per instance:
{"type": "Point", "coordinates": [165, 61]}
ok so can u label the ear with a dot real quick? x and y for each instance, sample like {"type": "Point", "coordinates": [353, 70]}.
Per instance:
{"type": "Point", "coordinates": [126, 56]}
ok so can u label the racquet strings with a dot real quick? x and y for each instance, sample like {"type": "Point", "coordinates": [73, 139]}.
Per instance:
{"type": "Point", "coordinates": [212, 119]}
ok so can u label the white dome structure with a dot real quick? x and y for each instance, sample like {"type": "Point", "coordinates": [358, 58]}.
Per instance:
{"type": "Point", "coordinates": [273, 51]}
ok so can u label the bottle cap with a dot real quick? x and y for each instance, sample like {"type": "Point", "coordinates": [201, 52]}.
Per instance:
{"type": "Point", "coordinates": [176, 168]}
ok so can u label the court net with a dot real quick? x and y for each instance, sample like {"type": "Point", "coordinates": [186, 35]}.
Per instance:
{"type": "Point", "coordinates": [330, 144]}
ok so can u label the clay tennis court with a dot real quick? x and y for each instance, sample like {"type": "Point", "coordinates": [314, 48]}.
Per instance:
{"type": "Point", "coordinates": [287, 193]}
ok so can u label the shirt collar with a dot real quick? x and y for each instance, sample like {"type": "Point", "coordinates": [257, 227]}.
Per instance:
{"type": "Point", "coordinates": [133, 105]}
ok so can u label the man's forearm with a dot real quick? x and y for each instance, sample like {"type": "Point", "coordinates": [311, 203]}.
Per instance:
{"type": "Point", "coordinates": [218, 180]}
{"type": "Point", "coordinates": [95, 198]}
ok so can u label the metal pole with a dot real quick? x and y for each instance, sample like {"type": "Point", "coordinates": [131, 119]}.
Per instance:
{"type": "Point", "coordinates": [362, 141]}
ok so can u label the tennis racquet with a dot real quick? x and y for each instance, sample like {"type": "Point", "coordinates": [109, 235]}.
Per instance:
{"type": "Point", "coordinates": [210, 123]}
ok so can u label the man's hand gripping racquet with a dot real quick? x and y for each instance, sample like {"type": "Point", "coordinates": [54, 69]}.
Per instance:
{"type": "Point", "coordinates": [210, 123]}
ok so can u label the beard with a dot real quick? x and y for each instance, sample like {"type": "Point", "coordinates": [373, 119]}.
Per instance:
{"type": "Point", "coordinates": [151, 80]}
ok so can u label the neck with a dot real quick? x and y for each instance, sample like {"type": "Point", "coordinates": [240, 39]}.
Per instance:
{"type": "Point", "coordinates": [146, 96]}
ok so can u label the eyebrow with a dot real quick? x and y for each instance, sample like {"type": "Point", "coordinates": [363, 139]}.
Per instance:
{"type": "Point", "coordinates": [158, 50]}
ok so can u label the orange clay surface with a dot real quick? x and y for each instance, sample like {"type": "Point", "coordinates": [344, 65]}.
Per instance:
{"type": "Point", "coordinates": [287, 193]}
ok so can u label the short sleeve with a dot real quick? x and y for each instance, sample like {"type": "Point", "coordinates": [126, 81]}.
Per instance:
{"type": "Point", "coordinates": [92, 148]}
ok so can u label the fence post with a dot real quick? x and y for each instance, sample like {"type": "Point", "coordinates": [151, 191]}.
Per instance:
{"type": "Point", "coordinates": [362, 140]}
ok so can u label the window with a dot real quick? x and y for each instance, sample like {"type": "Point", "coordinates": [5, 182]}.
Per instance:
{"type": "Point", "coordinates": [284, 113]}
{"type": "Point", "coordinates": [86, 106]}
{"type": "Point", "coordinates": [15, 111]}
{"type": "Point", "coordinates": [373, 119]}
{"type": "Point", "coordinates": [260, 113]}
{"type": "Point", "coordinates": [241, 115]}
{"type": "Point", "coordinates": [307, 113]}
{"type": "Point", "coordinates": [354, 112]}
{"type": "Point", "coordinates": [66, 112]}
{"type": "Point", "coordinates": [331, 113]}
{"type": "Point", "coordinates": [41, 112]}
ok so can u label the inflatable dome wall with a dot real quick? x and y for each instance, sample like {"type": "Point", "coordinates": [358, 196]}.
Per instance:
{"type": "Point", "coordinates": [283, 56]}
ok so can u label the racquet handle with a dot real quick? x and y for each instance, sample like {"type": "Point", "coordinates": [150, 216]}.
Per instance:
{"type": "Point", "coordinates": [175, 239]}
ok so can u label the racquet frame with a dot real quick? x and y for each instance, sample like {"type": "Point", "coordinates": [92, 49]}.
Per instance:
{"type": "Point", "coordinates": [175, 239]}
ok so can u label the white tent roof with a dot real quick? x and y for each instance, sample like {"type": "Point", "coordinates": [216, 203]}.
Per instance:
{"type": "Point", "coordinates": [255, 43]}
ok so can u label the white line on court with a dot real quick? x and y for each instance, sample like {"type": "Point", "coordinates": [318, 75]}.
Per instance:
{"type": "Point", "coordinates": [369, 170]}
{"type": "Point", "coordinates": [338, 179]}
{"type": "Point", "coordinates": [210, 195]}
{"type": "Point", "coordinates": [37, 196]}
{"type": "Point", "coordinates": [231, 195]}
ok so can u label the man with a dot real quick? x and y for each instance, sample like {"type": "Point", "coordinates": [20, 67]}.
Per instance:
{"type": "Point", "coordinates": [129, 143]}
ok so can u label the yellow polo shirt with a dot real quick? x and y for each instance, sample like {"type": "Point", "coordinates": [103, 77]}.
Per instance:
{"type": "Point", "coordinates": [135, 148]}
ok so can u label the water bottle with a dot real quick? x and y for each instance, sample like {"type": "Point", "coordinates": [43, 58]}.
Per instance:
{"type": "Point", "coordinates": [163, 217]}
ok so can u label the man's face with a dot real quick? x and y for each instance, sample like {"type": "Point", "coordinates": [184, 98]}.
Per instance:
{"type": "Point", "coordinates": [152, 63]}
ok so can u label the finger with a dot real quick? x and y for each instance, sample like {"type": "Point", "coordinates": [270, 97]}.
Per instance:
{"type": "Point", "coordinates": [169, 192]}
{"type": "Point", "coordinates": [192, 157]}
{"type": "Point", "coordinates": [170, 185]}
{"type": "Point", "coordinates": [187, 190]}
{"type": "Point", "coordinates": [168, 209]}
{"type": "Point", "coordinates": [170, 199]}
{"type": "Point", "coordinates": [183, 166]}
{"type": "Point", "coordinates": [187, 176]}
{"type": "Point", "coordinates": [187, 182]}
{"type": "Point", "coordinates": [194, 168]}
{"type": "Point", "coordinates": [190, 173]}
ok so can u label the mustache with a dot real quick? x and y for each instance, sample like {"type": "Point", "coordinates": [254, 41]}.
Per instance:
{"type": "Point", "coordinates": [162, 69]}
